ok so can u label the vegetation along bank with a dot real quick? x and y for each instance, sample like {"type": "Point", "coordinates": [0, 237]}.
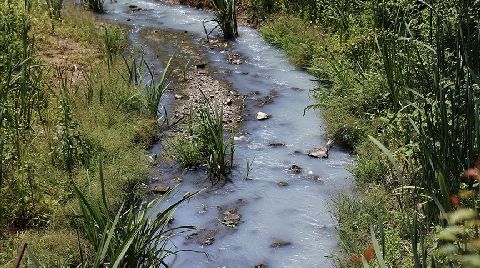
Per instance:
{"type": "Point", "coordinates": [399, 87]}
{"type": "Point", "coordinates": [399, 84]}
{"type": "Point", "coordinates": [75, 124]}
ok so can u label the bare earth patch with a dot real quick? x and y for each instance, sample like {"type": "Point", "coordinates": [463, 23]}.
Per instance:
{"type": "Point", "coordinates": [68, 54]}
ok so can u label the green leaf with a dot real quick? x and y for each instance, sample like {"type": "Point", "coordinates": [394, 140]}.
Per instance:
{"type": "Point", "coordinates": [378, 252]}
{"type": "Point", "coordinates": [390, 157]}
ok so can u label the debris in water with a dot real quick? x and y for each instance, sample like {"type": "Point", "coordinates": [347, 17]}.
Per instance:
{"type": "Point", "coordinates": [295, 169]}
{"type": "Point", "coordinates": [314, 178]}
{"type": "Point", "coordinates": [241, 138]}
{"type": "Point", "coordinates": [276, 144]}
{"type": "Point", "coordinates": [134, 8]}
{"type": "Point", "coordinates": [262, 101]}
{"type": "Point", "coordinates": [234, 59]}
{"type": "Point", "coordinates": [280, 243]}
{"type": "Point", "coordinates": [203, 209]}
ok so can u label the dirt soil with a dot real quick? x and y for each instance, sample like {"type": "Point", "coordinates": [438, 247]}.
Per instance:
{"type": "Point", "coordinates": [193, 79]}
{"type": "Point", "coordinates": [68, 55]}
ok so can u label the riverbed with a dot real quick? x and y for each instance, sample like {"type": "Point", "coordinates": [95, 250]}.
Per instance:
{"type": "Point", "coordinates": [283, 205]}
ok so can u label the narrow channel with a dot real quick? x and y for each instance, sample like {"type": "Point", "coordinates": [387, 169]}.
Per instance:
{"type": "Point", "coordinates": [296, 214]}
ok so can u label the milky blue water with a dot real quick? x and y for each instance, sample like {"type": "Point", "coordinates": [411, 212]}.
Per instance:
{"type": "Point", "coordinates": [299, 212]}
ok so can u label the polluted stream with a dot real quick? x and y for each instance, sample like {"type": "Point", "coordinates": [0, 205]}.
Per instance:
{"type": "Point", "coordinates": [279, 216]}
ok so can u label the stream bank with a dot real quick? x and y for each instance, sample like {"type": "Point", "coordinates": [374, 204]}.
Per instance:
{"type": "Point", "coordinates": [280, 216]}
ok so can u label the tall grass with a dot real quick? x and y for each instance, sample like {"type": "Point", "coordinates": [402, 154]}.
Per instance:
{"type": "Point", "coordinates": [155, 89]}
{"type": "Point", "coordinates": [54, 10]}
{"type": "Point", "coordinates": [132, 236]}
{"type": "Point", "coordinates": [218, 149]}
{"type": "Point", "coordinates": [226, 17]}
{"type": "Point", "coordinates": [113, 42]}
{"type": "Point", "coordinates": [207, 142]}
{"type": "Point", "coordinates": [431, 80]}
{"type": "Point", "coordinates": [71, 149]}
{"type": "Point", "coordinates": [22, 100]}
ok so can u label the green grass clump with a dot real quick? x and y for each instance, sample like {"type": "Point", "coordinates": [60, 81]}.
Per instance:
{"type": "Point", "coordinates": [128, 237]}
{"type": "Point", "coordinates": [226, 17]}
{"type": "Point", "coordinates": [207, 142]}
{"type": "Point", "coordinates": [186, 152]}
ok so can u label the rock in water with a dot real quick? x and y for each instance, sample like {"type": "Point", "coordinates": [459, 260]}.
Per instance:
{"type": "Point", "coordinates": [178, 96]}
{"type": "Point", "coordinates": [231, 217]}
{"type": "Point", "coordinates": [209, 241]}
{"type": "Point", "coordinates": [200, 65]}
{"type": "Point", "coordinates": [295, 169]}
{"type": "Point", "coordinates": [320, 152]}
{"type": "Point", "coordinates": [159, 188]}
{"type": "Point", "coordinates": [262, 116]}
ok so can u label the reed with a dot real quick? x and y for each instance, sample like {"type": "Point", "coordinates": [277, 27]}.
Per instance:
{"type": "Point", "coordinates": [207, 142]}
{"type": "Point", "coordinates": [226, 17]}
{"type": "Point", "coordinates": [218, 149]}
{"type": "Point", "coordinates": [113, 43]}
{"type": "Point", "coordinates": [156, 89]}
